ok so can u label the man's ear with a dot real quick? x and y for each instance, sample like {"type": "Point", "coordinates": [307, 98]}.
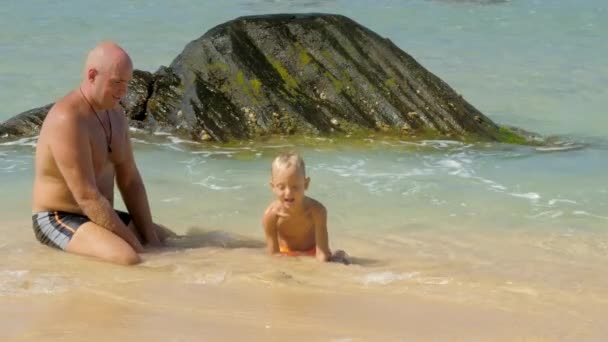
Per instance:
{"type": "Point", "coordinates": [270, 184]}
{"type": "Point", "coordinates": [91, 74]}
{"type": "Point", "coordinates": [306, 183]}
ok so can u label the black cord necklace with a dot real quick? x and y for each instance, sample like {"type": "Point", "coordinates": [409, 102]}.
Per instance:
{"type": "Point", "coordinates": [108, 136]}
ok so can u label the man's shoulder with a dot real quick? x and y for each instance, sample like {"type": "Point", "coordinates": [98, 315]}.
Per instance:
{"type": "Point", "coordinates": [65, 110]}
{"type": "Point", "coordinates": [118, 112]}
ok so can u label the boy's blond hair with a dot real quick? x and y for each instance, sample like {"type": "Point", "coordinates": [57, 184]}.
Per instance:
{"type": "Point", "coordinates": [289, 159]}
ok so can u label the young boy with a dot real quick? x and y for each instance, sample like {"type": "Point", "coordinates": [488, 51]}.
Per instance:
{"type": "Point", "coordinates": [294, 223]}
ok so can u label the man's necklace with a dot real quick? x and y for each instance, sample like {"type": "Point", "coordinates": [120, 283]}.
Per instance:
{"type": "Point", "coordinates": [108, 136]}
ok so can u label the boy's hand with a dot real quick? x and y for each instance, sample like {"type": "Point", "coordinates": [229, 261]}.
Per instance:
{"type": "Point", "coordinates": [341, 257]}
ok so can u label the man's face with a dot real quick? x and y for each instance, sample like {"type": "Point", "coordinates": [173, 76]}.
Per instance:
{"type": "Point", "coordinates": [111, 85]}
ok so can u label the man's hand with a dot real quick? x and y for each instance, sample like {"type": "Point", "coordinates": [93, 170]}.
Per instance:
{"type": "Point", "coordinates": [158, 234]}
{"type": "Point", "coordinates": [152, 240]}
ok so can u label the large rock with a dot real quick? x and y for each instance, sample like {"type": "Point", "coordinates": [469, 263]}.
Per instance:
{"type": "Point", "coordinates": [25, 124]}
{"type": "Point", "coordinates": [307, 74]}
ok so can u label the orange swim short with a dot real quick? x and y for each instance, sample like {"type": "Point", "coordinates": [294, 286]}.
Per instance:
{"type": "Point", "coordinates": [286, 251]}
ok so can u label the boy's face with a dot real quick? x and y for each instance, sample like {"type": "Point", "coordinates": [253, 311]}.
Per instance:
{"type": "Point", "coordinates": [289, 185]}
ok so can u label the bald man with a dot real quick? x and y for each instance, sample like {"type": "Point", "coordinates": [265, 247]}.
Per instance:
{"type": "Point", "coordinates": [82, 149]}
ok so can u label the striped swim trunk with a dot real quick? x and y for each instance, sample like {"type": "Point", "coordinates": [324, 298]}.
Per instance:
{"type": "Point", "coordinates": [56, 228]}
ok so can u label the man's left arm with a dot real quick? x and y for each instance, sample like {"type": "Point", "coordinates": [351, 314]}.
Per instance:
{"type": "Point", "coordinates": [133, 193]}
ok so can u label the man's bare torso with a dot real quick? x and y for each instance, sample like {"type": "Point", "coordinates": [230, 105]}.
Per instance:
{"type": "Point", "coordinates": [51, 192]}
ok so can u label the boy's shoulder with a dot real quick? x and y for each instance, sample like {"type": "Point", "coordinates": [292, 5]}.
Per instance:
{"type": "Point", "coordinates": [315, 206]}
{"type": "Point", "coordinates": [272, 209]}
{"type": "Point", "coordinates": [270, 217]}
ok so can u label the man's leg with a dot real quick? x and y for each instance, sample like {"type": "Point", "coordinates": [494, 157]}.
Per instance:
{"type": "Point", "coordinates": [95, 241]}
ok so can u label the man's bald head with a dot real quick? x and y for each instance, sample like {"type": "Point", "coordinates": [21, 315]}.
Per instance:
{"type": "Point", "coordinates": [107, 72]}
{"type": "Point", "coordinates": [106, 57]}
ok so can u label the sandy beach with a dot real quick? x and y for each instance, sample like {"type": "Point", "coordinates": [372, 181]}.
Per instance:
{"type": "Point", "coordinates": [166, 311]}
{"type": "Point", "coordinates": [191, 293]}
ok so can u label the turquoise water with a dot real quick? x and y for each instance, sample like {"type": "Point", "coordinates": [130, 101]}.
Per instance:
{"type": "Point", "coordinates": [536, 64]}
{"type": "Point", "coordinates": [445, 218]}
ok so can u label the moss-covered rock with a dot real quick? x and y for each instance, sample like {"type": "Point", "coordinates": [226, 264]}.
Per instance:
{"type": "Point", "coordinates": [300, 74]}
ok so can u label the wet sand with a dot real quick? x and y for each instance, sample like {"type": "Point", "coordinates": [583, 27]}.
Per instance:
{"type": "Point", "coordinates": [178, 312]}
{"type": "Point", "coordinates": [197, 290]}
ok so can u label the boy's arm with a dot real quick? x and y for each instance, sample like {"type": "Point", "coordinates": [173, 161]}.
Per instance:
{"type": "Point", "coordinates": [321, 237]}
{"type": "Point", "coordinates": [269, 221]}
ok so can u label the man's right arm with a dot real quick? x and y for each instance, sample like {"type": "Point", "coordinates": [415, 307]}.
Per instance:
{"type": "Point", "coordinates": [71, 149]}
